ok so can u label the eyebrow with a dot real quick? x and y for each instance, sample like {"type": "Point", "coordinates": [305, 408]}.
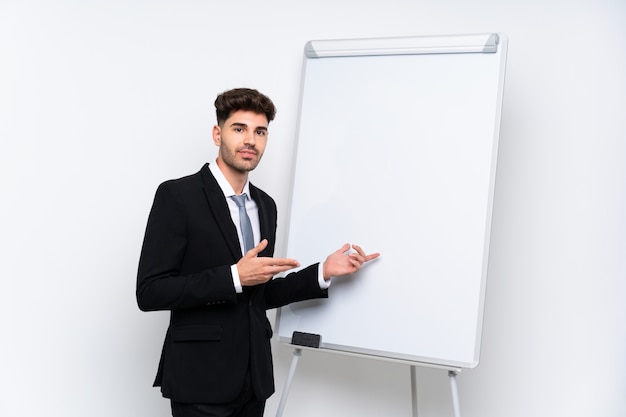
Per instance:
{"type": "Point", "coordinates": [238, 124]}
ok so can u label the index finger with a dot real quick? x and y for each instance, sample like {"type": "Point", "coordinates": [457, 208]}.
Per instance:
{"type": "Point", "coordinates": [372, 256]}
{"type": "Point", "coordinates": [282, 262]}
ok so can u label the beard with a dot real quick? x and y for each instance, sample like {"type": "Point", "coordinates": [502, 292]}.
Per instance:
{"type": "Point", "coordinates": [232, 159]}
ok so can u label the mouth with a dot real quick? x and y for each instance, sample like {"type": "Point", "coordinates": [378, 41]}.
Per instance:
{"type": "Point", "coordinates": [247, 153]}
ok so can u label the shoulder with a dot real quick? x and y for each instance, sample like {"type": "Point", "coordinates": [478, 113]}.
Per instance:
{"type": "Point", "coordinates": [187, 188]}
{"type": "Point", "coordinates": [188, 181]}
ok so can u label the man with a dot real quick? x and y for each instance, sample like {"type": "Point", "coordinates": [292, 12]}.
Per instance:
{"type": "Point", "coordinates": [216, 358]}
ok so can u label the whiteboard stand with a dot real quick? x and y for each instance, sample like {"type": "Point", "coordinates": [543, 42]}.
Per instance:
{"type": "Point", "coordinates": [446, 94]}
{"type": "Point", "coordinates": [297, 352]}
{"type": "Point", "coordinates": [455, 393]}
{"type": "Point", "coordinates": [454, 388]}
{"type": "Point", "coordinates": [414, 389]}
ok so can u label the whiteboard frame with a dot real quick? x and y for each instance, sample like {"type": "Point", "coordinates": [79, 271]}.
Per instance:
{"type": "Point", "coordinates": [449, 44]}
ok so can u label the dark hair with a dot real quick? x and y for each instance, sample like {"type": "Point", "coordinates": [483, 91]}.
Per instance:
{"type": "Point", "coordinates": [243, 99]}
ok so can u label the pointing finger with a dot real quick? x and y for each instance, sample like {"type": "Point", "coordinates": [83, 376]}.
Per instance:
{"type": "Point", "coordinates": [361, 252]}
{"type": "Point", "coordinates": [280, 262]}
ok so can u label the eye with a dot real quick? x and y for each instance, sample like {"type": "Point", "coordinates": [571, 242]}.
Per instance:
{"type": "Point", "coordinates": [238, 129]}
{"type": "Point", "coordinates": [261, 132]}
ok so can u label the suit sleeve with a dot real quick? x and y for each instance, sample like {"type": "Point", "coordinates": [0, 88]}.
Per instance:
{"type": "Point", "coordinates": [296, 286]}
{"type": "Point", "coordinates": [161, 283]}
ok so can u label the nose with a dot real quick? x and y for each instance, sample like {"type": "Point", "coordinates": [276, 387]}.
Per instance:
{"type": "Point", "coordinates": [249, 139]}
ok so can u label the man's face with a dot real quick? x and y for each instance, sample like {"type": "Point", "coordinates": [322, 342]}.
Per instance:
{"type": "Point", "coordinates": [242, 139]}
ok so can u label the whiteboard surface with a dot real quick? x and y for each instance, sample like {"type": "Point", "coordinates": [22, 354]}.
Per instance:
{"type": "Point", "coordinates": [397, 154]}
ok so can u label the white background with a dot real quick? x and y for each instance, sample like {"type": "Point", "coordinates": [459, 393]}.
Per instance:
{"type": "Point", "coordinates": [100, 101]}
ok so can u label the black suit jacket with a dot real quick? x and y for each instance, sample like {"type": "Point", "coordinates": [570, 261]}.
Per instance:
{"type": "Point", "coordinates": [216, 337]}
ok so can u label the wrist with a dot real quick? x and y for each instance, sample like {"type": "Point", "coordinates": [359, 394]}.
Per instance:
{"type": "Point", "coordinates": [322, 279]}
{"type": "Point", "coordinates": [325, 275]}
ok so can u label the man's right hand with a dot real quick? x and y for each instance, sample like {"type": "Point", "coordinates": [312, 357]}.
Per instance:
{"type": "Point", "coordinates": [254, 270]}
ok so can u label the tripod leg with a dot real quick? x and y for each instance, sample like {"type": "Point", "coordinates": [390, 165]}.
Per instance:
{"type": "Point", "coordinates": [414, 389]}
{"type": "Point", "coordinates": [455, 393]}
{"type": "Point", "coordinates": [292, 371]}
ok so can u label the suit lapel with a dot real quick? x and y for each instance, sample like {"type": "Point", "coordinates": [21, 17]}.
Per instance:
{"type": "Point", "coordinates": [264, 221]}
{"type": "Point", "coordinates": [219, 210]}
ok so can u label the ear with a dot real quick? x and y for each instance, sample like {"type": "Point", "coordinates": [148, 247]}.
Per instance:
{"type": "Point", "coordinates": [217, 135]}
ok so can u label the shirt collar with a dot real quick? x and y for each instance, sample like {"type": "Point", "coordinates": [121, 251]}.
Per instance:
{"type": "Point", "coordinates": [223, 182]}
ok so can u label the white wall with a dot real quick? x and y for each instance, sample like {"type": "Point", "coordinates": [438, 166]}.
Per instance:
{"type": "Point", "coordinates": [102, 100]}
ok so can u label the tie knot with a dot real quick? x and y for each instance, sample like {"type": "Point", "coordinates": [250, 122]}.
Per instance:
{"type": "Point", "coordinates": [240, 200]}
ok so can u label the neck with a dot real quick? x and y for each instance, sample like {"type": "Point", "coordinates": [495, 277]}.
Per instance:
{"type": "Point", "coordinates": [237, 179]}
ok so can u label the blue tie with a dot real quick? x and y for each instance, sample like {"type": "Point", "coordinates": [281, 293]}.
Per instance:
{"type": "Point", "coordinates": [244, 222]}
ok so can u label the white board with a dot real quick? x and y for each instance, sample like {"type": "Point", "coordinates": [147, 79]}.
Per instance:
{"type": "Point", "coordinates": [396, 151]}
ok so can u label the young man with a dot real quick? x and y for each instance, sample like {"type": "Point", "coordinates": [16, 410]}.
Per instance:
{"type": "Point", "coordinates": [216, 358]}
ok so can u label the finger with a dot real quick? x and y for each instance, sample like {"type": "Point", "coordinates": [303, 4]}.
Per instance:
{"type": "Point", "coordinates": [356, 263]}
{"type": "Point", "coordinates": [372, 256]}
{"type": "Point", "coordinates": [280, 262]}
{"type": "Point", "coordinates": [292, 263]}
{"type": "Point", "coordinates": [257, 249]}
{"type": "Point", "coordinates": [344, 248]}
{"type": "Point", "coordinates": [366, 258]}
{"type": "Point", "coordinates": [359, 250]}
{"type": "Point", "coordinates": [357, 256]}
